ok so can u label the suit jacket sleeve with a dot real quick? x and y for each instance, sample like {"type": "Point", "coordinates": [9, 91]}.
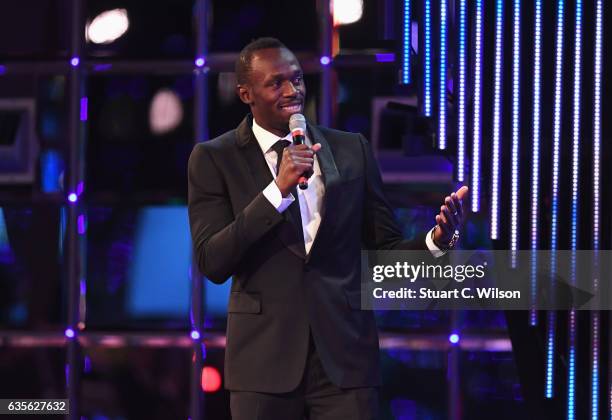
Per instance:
{"type": "Point", "coordinates": [380, 229]}
{"type": "Point", "coordinates": [221, 238]}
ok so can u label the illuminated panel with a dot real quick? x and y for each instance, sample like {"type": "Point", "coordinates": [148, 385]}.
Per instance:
{"type": "Point", "coordinates": [442, 98]}
{"type": "Point", "coordinates": [477, 109]}
{"type": "Point", "coordinates": [497, 89]}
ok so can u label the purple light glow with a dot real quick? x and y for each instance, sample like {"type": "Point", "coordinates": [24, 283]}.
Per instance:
{"type": "Point", "coordinates": [2, 69]}
{"type": "Point", "coordinates": [74, 61]}
{"type": "Point", "coordinates": [84, 108]}
{"type": "Point", "coordinates": [200, 61]}
{"type": "Point", "coordinates": [80, 188]}
{"type": "Point", "coordinates": [195, 335]}
{"type": "Point", "coordinates": [453, 338]}
{"type": "Point", "coordinates": [69, 333]}
{"type": "Point", "coordinates": [72, 197]}
{"type": "Point", "coordinates": [81, 224]}
{"type": "Point", "coordinates": [82, 287]}
{"type": "Point", "coordinates": [102, 67]}
{"type": "Point", "coordinates": [385, 57]}
{"type": "Point", "coordinates": [325, 60]}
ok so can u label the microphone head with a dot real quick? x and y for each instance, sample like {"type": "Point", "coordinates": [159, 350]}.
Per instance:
{"type": "Point", "coordinates": [297, 122]}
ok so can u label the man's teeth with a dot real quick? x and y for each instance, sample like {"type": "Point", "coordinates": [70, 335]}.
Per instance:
{"type": "Point", "coordinates": [292, 107]}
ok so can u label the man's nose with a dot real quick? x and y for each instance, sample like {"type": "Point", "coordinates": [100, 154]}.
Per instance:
{"type": "Point", "coordinates": [289, 89]}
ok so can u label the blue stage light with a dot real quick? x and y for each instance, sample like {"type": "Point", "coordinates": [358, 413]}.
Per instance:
{"type": "Point", "coordinates": [461, 91]}
{"type": "Point", "coordinates": [555, 190]}
{"type": "Point", "coordinates": [475, 193]}
{"type": "Point", "coordinates": [406, 47]}
{"type": "Point", "coordinates": [516, 90]}
{"type": "Point", "coordinates": [497, 104]}
{"type": "Point", "coordinates": [427, 60]}
{"type": "Point", "coordinates": [595, 324]}
{"type": "Point", "coordinates": [535, 176]}
{"type": "Point", "coordinates": [442, 81]}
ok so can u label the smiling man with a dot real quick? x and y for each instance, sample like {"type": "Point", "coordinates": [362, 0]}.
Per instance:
{"type": "Point", "coordinates": [298, 344]}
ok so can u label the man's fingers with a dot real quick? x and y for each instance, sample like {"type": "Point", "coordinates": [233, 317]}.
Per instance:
{"type": "Point", "coordinates": [316, 147]}
{"type": "Point", "coordinates": [462, 192]}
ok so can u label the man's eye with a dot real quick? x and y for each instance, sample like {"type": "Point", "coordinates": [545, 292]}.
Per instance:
{"type": "Point", "coordinates": [298, 79]}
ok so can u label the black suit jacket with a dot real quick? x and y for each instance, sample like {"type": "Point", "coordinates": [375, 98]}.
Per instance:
{"type": "Point", "coordinates": [278, 293]}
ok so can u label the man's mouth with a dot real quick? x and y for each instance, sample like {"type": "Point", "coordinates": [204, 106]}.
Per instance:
{"type": "Point", "coordinates": [292, 107]}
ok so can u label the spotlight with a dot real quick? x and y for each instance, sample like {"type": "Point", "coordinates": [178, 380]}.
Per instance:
{"type": "Point", "coordinates": [346, 11]}
{"type": "Point", "coordinates": [107, 26]}
{"type": "Point", "coordinates": [211, 379]}
{"type": "Point", "coordinates": [166, 112]}
{"type": "Point", "coordinates": [74, 61]}
{"type": "Point", "coordinates": [200, 61]}
{"type": "Point", "coordinates": [453, 338]}
{"type": "Point", "coordinates": [195, 335]}
{"type": "Point", "coordinates": [69, 333]}
{"type": "Point", "coordinates": [72, 197]}
{"type": "Point", "coordinates": [325, 60]}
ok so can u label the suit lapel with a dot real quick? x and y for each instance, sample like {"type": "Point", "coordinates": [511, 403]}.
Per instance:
{"type": "Point", "coordinates": [331, 177]}
{"type": "Point", "coordinates": [290, 231]}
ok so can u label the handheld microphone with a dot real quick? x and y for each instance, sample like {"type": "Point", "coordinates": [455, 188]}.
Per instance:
{"type": "Point", "coordinates": [297, 125]}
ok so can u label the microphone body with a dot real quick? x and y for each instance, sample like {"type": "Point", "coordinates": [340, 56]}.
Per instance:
{"type": "Point", "coordinates": [297, 125]}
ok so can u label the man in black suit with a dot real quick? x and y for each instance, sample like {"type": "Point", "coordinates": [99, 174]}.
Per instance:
{"type": "Point", "coordinates": [297, 342]}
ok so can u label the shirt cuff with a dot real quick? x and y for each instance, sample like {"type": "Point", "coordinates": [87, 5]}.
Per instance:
{"type": "Point", "coordinates": [435, 251]}
{"type": "Point", "coordinates": [275, 197]}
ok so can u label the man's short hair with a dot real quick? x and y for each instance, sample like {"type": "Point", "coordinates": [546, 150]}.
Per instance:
{"type": "Point", "coordinates": [243, 63]}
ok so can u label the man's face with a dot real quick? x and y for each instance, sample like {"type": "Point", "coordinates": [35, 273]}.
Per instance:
{"type": "Point", "coordinates": [275, 89]}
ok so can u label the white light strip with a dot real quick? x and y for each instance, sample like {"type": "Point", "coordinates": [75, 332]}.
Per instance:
{"type": "Point", "coordinates": [595, 321]}
{"type": "Point", "coordinates": [535, 178]}
{"type": "Point", "coordinates": [516, 100]}
{"type": "Point", "coordinates": [427, 93]}
{"type": "Point", "coordinates": [406, 77]}
{"type": "Point", "coordinates": [461, 90]}
{"type": "Point", "coordinates": [571, 374]}
{"type": "Point", "coordinates": [555, 187]}
{"type": "Point", "coordinates": [497, 93]}
{"type": "Point", "coordinates": [475, 193]}
{"type": "Point", "coordinates": [442, 92]}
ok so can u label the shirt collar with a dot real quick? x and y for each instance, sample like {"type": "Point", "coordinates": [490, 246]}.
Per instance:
{"type": "Point", "coordinates": [266, 139]}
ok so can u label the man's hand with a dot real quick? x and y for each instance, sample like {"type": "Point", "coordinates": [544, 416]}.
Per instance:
{"type": "Point", "coordinates": [297, 160]}
{"type": "Point", "coordinates": [451, 218]}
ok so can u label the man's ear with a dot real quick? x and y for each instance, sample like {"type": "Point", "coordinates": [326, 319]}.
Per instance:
{"type": "Point", "coordinates": [244, 93]}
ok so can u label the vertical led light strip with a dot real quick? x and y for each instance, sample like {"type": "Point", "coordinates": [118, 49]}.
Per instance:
{"type": "Point", "coordinates": [442, 97]}
{"type": "Point", "coordinates": [571, 368]}
{"type": "Point", "coordinates": [595, 344]}
{"type": "Point", "coordinates": [497, 93]}
{"type": "Point", "coordinates": [407, 45]}
{"type": "Point", "coordinates": [427, 77]}
{"type": "Point", "coordinates": [535, 176]}
{"type": "Point", "coordinates": [477, 109]}
{"type": "Point", "coordinates": [461, 91]}
{"type": "Point", "coordinates": [516, 99]}
{"type": "Point", "coordinates": [551, 320]}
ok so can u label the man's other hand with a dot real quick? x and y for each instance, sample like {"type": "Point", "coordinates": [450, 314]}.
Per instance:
{"type": "Point", "coordinates": [450, 218]}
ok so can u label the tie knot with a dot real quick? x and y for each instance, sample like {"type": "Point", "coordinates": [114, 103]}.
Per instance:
{"type": "Point", "coordinates": [280, 145]}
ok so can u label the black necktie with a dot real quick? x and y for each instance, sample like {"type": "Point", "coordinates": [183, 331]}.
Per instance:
{"type": "Point", "coordinates": [294, 208]}
{"type": "Point", "coordinates": [278, 147]}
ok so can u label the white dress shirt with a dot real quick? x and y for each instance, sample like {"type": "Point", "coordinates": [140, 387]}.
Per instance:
{"type": "Point", "coordinates": [311, 198]}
